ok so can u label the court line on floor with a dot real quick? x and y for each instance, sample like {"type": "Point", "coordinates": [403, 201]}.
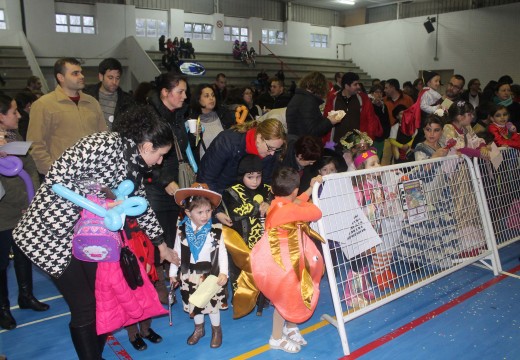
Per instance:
{"type": "Point", "coordinates": [37, 321]}
{"type": "Point", "coordinates": [405, 328]}
{"type": "Point", "coordinates": [14, 307]}
{"type": "Point", "coordinates": [426, 317]}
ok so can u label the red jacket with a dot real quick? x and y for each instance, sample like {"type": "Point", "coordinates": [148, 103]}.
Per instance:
{"type": "Point", "coordinates": [504, 137]}
{"type": "Point", "coordinates": [369, 122]}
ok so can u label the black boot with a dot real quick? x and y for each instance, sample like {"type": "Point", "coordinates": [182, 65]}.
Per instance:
{"type": "Point", "coordinates": [102, 339]}
{"type": "Point", "coordinates": [23, 270]}
{"type": "Point", "coordinates": [6, 319]}
{"type": "Point", "coordinates": [86, 342]}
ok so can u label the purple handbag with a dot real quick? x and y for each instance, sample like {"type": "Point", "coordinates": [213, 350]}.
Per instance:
{"type": "Point", "coordinates": [92, 241]}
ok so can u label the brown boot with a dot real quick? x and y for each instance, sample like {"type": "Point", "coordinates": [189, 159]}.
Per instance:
{"type": "Point", "coordinates": [216, 336]}
{"type": "Point", "coordinates": [197, 334]}
{"type": "Point", "coordinates": [160, 286]}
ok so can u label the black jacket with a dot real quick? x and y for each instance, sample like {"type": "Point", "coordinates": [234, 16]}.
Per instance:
{"type": "Point", "coordinates": [219, 165]}
{"type": "Point", "coordinates": [168, 171]}
{"type": "Point", "coordinates": [304, 116]}
{"type": "Point", "coordinates": [273, 102]}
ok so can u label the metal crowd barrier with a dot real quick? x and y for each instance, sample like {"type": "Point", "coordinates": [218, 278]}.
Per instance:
{"type": "Point", "coordinates": [395, 229]}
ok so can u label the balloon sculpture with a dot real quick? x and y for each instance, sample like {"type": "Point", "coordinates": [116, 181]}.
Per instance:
{"type": "Point", "coordinates": [13, 166]}
{"type": "Point", "coordinates": [113, 218]}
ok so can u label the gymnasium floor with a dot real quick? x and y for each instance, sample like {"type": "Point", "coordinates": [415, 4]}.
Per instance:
{"type": "Point", "coordinates": [468, 315]}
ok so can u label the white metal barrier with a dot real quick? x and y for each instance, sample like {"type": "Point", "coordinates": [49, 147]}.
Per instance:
{"type": "Point", "coordinates": [395, 229]}
{"type": "Point", "coordinates": [501, 190]}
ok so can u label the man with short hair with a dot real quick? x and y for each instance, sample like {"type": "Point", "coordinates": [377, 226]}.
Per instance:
{"type": "Point", "coordinates": [33, 84]}
{"type": "Point", "coordinates": [394, 97]}
{"type": "Point", "coordinates": [220, 89]}
{"type": "Point", "coordinates": [111, 97]}
{"type": "Point", "coordinates": [276, 98]}
{"type": "Point", "coordinates": [455, 87]}
{"type": "Point", "coordinates": [63, 116]}
{"type": "Point", "coordinates": [359, 111]}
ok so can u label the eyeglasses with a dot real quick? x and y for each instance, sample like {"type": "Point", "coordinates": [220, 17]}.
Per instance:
{"type": "Point", "coordinates": [271, 148]}
{"type": "Point", "coordinates": [454, 86]}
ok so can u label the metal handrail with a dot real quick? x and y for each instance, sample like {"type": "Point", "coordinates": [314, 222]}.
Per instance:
{"type": "Point", "coordinates": [282, 63]}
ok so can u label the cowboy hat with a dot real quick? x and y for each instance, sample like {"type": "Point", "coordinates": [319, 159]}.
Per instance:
{"type": "Point", "coordinates": [197, 189]}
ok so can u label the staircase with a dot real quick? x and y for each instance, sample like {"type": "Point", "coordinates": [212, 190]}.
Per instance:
{"type": "Point", "coordinates": [238, 74]}
{"type": "Point", "coordinates": [14, 69]}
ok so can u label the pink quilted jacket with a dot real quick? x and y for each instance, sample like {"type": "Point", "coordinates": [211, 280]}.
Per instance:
{"type": "Point", "coordinates": [117, 305]}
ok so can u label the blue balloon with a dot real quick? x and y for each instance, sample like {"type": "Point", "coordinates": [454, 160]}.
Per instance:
{"type": "Point", "coordinates": [191, 159]}
{"type": "Point", "coordinates": [124, 189]}
{"type": "Point", "coordinates": [133, 206]}
{"type": "Point", "coordinates": [79, 200]}
{"type": "Point", "coordinates": [113, 218]}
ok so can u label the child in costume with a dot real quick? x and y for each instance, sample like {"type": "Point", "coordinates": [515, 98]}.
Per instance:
{"type": "Point", "coordinates": [378, 206]}
{"type": "Point", "coordinates": [460, 116]}
{"type": "Point", "coordinates": [201, 249]}
{"type": "Point", "coordinates": [285, 260]}
{"type": "Point", "coordinates": [429, 97]}
{"type": "Point", "coordinates": [142, 247]}
{"type": "Point", "coordinates": [244, 206]}
{"type": "Point", "coordinates": [459, 132]}
{"type": "Point", "coordinates": [401, 143]}
{"type": "Point", "coordinates": [503, 131]}
{"type": "Point", "coordinates": [353, 143]}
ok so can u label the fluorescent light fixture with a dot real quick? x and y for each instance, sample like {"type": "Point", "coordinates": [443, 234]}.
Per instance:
{"type": "Point", "coordinates": [348, 2]}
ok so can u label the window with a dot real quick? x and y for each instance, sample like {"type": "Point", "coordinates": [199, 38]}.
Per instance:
{"type": "Point", "coordinates": [150, 28]}
{"type": "Point", "coordinates": [318, 40]}
{"type": "Point", "coordinates": [232, 33]}
{"type": "Point", "coordinates": [3, 25]}
{"type": "Point", "coordinates": [198, 31]}
{"type": "Point", "coordinates": [273, 37]}
{"type": "Point", "coordinates": [75, 24]}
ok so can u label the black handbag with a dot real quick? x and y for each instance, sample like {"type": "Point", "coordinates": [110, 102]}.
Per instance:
{"type": "Point", "coordinates": [130, 266]}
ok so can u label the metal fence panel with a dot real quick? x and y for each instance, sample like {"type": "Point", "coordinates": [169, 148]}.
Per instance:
{"type": "Point", "coordinates": [395, 229]}
{"type": "Point", "coordinates": [501, 189]}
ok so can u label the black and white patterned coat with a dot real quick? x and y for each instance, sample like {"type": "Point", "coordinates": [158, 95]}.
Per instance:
{"type": "Point", "coordinates": [45, 231]}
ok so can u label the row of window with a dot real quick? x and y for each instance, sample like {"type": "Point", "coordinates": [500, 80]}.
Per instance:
{"type": "Point", "coordinates": [84, 24]}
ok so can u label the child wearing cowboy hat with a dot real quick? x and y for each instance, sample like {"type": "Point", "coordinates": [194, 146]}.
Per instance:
{"type": "Point", "coordinates": [202, 252]}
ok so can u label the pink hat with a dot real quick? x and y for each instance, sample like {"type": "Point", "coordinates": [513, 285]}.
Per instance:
{"type": "Point", "coordinates": [361, 158]}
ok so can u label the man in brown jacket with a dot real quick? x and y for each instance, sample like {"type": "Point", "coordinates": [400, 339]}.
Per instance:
{"type": "Point", "coordinates": [63, 116]}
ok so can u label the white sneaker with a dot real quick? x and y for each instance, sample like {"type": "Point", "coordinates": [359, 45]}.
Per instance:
{"type": "Point", "coordinates": [294, 335]}
{"type": "Point", "coordinates": [284, 344]}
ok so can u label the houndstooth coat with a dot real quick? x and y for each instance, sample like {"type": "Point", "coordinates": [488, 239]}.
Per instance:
{"type": "Point", "coordinates": [45, 231]}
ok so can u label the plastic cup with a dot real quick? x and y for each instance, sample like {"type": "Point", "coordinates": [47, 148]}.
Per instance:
{"type": "Point", "coordinates": [192, 123]}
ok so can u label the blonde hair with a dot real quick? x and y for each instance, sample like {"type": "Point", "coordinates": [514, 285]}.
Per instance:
{"type": "Point", "coordinates": [269, 129]}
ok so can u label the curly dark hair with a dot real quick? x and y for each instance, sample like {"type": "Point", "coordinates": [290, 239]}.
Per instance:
{"type": "Point", "coordinates": [315, 82]}
{"type": "Point", "coordinates": [141, 123]}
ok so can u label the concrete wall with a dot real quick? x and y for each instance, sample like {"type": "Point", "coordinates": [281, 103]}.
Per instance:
{"type": "Point", "coordinates": [480, 43]}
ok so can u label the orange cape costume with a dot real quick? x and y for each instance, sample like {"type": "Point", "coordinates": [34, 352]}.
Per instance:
{"type": "Point", "coordinates": [286, 265]}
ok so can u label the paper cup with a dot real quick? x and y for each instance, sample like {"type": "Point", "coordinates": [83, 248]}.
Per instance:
{"type": "Point", "coordinates": [192, 123]}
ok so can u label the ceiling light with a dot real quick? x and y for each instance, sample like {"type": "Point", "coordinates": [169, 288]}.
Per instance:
{"type": "Point", "coordinates": [348, 2]}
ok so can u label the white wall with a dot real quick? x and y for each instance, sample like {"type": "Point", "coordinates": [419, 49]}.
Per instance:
{"type": "Point", "coordinates": [480, 43]}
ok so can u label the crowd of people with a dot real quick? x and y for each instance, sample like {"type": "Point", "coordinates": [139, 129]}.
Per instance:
{"type": "Point", "coordinates": [254, 177]}
{"type": "Point", "coordinates": [175, 50]}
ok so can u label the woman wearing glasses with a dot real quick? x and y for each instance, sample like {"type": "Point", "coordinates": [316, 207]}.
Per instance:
{"type": "Point", "coordinates": [219, 165]}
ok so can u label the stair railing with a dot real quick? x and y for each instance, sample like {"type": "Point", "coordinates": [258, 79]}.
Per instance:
{"type": "Point", "coordinates": [283, 65]}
